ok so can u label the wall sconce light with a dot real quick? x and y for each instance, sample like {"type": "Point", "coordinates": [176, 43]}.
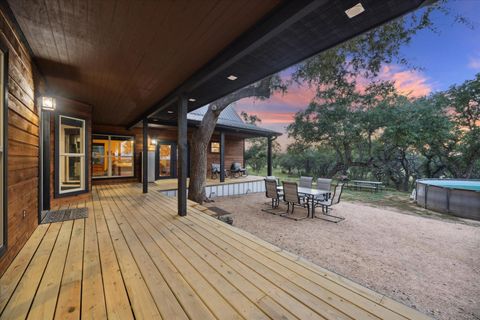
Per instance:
{"type": "Point", "coordinates": [154, 142]}
{"type": "Point", "coordinates": [48, 103]}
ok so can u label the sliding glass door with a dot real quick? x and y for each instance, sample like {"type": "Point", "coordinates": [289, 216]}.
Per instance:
{"type": "Point", "coordinates": [112, 156]}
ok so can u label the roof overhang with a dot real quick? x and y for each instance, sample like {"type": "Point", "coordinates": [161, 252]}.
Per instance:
{"type": "Point", "coordinates": [292, 33]}
{"type": "Point", "coordinates": [131, 59]}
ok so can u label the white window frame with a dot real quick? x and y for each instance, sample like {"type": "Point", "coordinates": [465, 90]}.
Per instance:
{"type": "Point", "coordinates": [110, 156]}
{"type": "Point", "coordinates": [61, 154]}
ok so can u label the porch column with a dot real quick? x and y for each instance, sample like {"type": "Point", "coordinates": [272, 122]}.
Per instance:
{"type": "Point", "coordinates": [222, 156]}
{"type": "Point", "coordinates": [145, 155]}
{"type": "Point", "coordinates": [269, 156]}
{"type": "Point", "coordinates": [182, 155]}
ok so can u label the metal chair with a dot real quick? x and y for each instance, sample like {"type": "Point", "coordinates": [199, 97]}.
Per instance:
{"type": "Point", "coordinates": [306, 182]}
{"type": "Point", "coordinates": [215, 170]}
{"type": "Point", "coordinates": [291, 197]}
{"type": "Point", "coordinates": [328, 203]}
{"type": "Point", "coordinates": [324, 184]}
{"type": "Point", "coordinates": [272, 192]}
{"type": "Point", "coordinates": [237, 170]}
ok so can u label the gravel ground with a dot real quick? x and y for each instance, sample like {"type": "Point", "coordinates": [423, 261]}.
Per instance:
{"type": "Point", "coordinates": [428, 264]}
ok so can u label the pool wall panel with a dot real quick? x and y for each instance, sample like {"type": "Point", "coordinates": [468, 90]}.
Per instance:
{"type": "Point", "coordinates": [457, 202]}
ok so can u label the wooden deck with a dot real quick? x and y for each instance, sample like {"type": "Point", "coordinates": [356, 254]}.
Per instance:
{"type": "Point", "coordinates": [171, 184]}
{"type": "Point", "coordinates": [133, 257]}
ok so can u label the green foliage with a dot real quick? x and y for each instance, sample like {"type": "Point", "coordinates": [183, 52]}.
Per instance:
{"type": "Point", "coordinates": [394, 138]}
{"type": "Point", "coordinates": [256, 153]}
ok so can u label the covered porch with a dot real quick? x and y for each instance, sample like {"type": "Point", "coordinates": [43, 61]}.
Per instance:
{"type": "Point", "coordinates": [134, 257]}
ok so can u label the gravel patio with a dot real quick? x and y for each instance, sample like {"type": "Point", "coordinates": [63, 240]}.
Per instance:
{"type": "Point", "coordinates": [432, 265]}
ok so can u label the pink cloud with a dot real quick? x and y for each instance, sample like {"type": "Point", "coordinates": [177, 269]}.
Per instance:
{"type": "Point", "coordinates": [474, 63]}
{"type": "Point", "coordinates": [273, 117]}
{"type": "Point", "coordinates": [411, 83]}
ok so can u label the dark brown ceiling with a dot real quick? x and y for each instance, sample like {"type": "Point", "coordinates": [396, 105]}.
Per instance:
{"type": "Point", "coordinates": [122, 56]}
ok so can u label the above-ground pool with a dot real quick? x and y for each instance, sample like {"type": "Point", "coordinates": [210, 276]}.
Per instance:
{"type": "Point", "coordinates": [457, 197]}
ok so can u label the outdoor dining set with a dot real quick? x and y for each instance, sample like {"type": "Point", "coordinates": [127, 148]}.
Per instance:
{"type": "Point", "coordinates": [303, 195]}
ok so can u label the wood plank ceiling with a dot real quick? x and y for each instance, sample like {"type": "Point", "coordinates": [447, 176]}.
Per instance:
{"type": "Point", "coordinates": [122, 56]}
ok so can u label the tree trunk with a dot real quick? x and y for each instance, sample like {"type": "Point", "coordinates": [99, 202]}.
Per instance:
{"type": "Point", "coordinates": [203, 134]}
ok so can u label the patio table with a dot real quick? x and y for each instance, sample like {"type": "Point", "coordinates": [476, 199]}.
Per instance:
{"type": "Point", "coordinates": [311, 194]}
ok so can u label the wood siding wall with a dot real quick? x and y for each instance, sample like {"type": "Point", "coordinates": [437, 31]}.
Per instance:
{"type": "Point", "coordinates": [23, 142]}
{"type": "Point", "coordinates": [233, 151]}
{"type": "Point", "coordinates": [233, 147]}
{"type": "Point", "coordinates": [75, 109]}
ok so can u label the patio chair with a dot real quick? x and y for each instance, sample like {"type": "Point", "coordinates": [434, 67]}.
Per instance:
{"type": "Point", "coordinates": [324, 184]}
{"type": "Point", "coordinates": [272, 178]}
{"type": "Point", "coordinates": [272, 192]}
{"type": "Point", "coordinates": [327, 204]}
{"type": "Point", "coordinates": [215, 170]}
{"type": "Point", "coordinates": [291, 197]}
{"type": "Point", "coordinates": [237, 170]}
{"type": "Point", "coordinates": [306, 182]}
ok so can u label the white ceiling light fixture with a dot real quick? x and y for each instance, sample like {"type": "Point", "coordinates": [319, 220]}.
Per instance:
{"type": "Point", "coordinates": [355, 10]}
{"type": "Point", "coordinates": [232, 77]}
{"type": "Point", "coordinates": [169, 111]}
{"type": "Point", "coordinates": [192, 99]}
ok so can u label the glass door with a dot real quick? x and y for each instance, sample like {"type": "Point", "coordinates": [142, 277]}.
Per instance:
{"type": "Point", "coordinates": [165, 156]}
{"type": "Point", "coordinates": [112, 156]}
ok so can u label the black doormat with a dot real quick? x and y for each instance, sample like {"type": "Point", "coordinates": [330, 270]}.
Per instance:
{"type": "Point", "coordinates": [52, 216]}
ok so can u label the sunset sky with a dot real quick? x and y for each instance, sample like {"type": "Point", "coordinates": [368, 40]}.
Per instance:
{"type": "Point", "coordinates": [449, 56]}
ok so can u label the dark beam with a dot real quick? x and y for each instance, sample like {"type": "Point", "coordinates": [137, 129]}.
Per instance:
{"type": "Point", "coordinates": [145, 155]}
{"type": "Point", "coordinates": [45, 132]}
{"type": "Point", "coordinates": [222, 156]}
{"type": "Point", "coordinates": [269, 157]}
{"type": "Point", "coordinates": [182, 155]}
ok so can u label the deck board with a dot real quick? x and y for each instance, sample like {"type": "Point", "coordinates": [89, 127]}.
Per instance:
{"type": "Point", "coordinates": [135, 258]}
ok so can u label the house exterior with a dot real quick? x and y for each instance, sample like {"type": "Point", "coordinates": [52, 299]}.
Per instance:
{"type": "Point", "coordinates": [162, 145]}
{"type": "Point", "coordinates": [129, 78]}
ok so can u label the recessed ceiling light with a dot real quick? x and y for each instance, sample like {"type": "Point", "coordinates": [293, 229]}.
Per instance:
{"type": "Point", "coordinates": [232, 77]}
{"type": "Point", "coordinates": [355, 10]}
{"type": "Point", "coordinates": [170, 111]}
{"type": "Point", "coordinates": [192, 99]}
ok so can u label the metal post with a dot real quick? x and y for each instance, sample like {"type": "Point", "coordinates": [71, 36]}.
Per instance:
{"type": "Point", "coordinates": [222, 156]}
{"type": "Point", "coordinates": [45, 167]}
{"type": "Point", "coordinates": [269, 157]}
{"type": "Point", "coordinates": [182, 155]}
{"type": "Point", "coordinates": [145, 155]}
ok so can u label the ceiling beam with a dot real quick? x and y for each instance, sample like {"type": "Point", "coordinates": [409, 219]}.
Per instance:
{"type": "Point", "coordinates": [280, 19]}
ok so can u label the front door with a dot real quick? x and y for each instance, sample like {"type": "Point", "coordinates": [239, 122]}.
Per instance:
{"type": "Point", "coordinates": [166, 160]}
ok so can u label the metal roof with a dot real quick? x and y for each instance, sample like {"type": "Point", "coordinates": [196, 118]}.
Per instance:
{"type": "Point", "coordinates": [229, 119]}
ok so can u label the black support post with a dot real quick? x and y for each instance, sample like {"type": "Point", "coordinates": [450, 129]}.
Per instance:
{"type": "Point", "coordinates": [145, 155]}
{"type": "Point", "coordinates": [182, 155]}
{"type": "Point", "coordinates": [222, 156]}
{"type": "Point", "coordinates": [269, 157]}
{"type": "Point", "coordinates": [45, 132]}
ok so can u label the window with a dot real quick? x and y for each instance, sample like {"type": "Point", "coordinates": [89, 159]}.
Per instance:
{"type": "Point", "coordinates": [71, 171]}
{"type": "Point", "coordinates": [112, 156]}
{"type": "Point", "coordinates": [215, 147]}
{"type": "Point", "coordinates": [3, 157]}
